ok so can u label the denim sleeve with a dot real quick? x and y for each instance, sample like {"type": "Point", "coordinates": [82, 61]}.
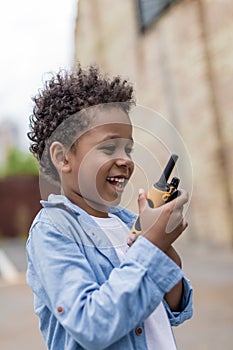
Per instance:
{"type": "Point", "coordinates": [96, 315]}
{"type": "Point", "coordinates": [186, 308]}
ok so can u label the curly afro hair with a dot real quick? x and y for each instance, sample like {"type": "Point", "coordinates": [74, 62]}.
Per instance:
{"type": "Point", "coordinates": [66, 94]}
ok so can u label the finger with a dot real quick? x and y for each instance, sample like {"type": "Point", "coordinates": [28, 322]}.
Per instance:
{"type": "Point", "coordinates": [129, 243]}
{"type": "Point", "coordinates": [142, 201]}
{"type": "Point", "coordinates": [131, 239]}
{"type": "Point", "coordinates": [176, 225]}
{"type": "Point", "coordinates": [179, 201]}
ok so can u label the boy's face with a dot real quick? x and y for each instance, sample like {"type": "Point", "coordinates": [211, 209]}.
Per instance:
{"type": "Point", "coordinates": [100, 164]}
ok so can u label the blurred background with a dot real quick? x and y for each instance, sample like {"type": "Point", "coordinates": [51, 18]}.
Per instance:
{"type": "Point", "coordinates": [179, 56]}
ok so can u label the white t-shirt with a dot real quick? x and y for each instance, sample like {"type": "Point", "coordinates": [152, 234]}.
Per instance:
{"type": "Point", "coordinates": [157, 326]}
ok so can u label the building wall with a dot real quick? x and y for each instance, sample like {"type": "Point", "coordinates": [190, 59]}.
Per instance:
{"type": "Point", "coordinates": [181, 67]}
{"type": "Point", "coordinates": [20, 202]}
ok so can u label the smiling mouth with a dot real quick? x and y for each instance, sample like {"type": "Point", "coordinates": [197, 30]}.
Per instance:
{"type": "Point", "coordinates": [118, 182]}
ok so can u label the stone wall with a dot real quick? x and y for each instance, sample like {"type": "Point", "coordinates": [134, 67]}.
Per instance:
{"type": "Point", "coordinates": [181, 67]}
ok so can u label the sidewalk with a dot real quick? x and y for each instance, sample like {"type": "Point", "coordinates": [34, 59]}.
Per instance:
{"type": "Point", "coordinates": [19, 327]}
{"type": "Point", "coordinates": [211, 273]}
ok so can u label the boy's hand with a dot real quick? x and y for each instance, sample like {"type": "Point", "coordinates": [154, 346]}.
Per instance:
{"type": "Point", "coordinates": [131, 239]}
{"type": "Point", "coordinates": [162, 225]}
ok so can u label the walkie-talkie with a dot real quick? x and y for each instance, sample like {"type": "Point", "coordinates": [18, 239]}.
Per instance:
{"type": "Point", "coordinates": [162, 191]}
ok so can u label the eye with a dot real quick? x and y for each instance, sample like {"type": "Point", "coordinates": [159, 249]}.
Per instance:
{"type": "Point", "coordinates": [109, 149]}
{"type": "Point", "coordinates": [128, 150]}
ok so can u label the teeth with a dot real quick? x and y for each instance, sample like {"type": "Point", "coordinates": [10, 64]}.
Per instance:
{"type": "Point", "coordinates": [117, 179]}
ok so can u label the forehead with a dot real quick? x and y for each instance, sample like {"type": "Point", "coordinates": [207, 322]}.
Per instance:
{"type": "Point", "coordinates": [106, 123]}
{"type": "Point", "coordinates": [110, 115]}
{"type": "Point", "coordinates": [111, 122]}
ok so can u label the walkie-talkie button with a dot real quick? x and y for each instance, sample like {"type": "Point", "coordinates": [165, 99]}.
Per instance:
{"type": "Point", "coordinates": [165, 197]}
{"type": "Point", "coordinates": [137, 225]}
{"type": "Point", "coordinates": [151, 204]}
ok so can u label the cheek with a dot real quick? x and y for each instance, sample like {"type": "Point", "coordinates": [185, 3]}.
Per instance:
{"type": "Point", "coordinates": [131, 168]}
{"type": "Point", "coordinates": [103, 171]}
{"type": "Point", "coordinates": [92, 174]}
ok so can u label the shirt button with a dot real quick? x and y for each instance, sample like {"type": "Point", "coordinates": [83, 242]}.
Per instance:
{"type": "Point", "coordinates": [138, 330]}
{"type": "Point", "coordinates": [60, 309]}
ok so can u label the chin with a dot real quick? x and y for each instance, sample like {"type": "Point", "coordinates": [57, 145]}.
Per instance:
{"type": "Point", "coordinates": [113, 202]}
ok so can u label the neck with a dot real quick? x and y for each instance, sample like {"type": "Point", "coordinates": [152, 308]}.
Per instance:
{"type": "Point", "coordinates": [92, 208]}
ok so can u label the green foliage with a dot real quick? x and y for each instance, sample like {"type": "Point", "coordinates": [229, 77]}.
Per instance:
{"type": "Point", "coordinates": [19, 163]}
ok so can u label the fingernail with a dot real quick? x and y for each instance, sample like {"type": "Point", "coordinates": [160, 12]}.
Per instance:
{"type": "Point", "coordinates": [140, 191]}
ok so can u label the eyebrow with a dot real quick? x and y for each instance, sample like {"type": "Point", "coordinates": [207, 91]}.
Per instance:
{"type": "Point", "coordinates": [114, 136]}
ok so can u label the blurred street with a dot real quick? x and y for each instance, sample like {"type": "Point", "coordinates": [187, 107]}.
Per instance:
{"type": "Point", "coordinates": [18, 324]}
{"type": "Point", "coordinates": [210, 270]}
{"type": "Point", "coordinates": [211, 273]}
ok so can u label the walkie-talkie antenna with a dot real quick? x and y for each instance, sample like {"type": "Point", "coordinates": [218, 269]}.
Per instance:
{"type": "Point", "coordinates": [167, 171]}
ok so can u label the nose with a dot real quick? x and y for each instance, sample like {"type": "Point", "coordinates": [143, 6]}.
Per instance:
{"type": "Point", "coordinates": [125, 161]}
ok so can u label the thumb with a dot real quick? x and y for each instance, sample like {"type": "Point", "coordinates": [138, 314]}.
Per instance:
{"type": "Point", "coordinates": [142, 201]}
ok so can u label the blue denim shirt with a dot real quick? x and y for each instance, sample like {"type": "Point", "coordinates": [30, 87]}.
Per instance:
{"type": "Point", "coordinates": [85, 298]}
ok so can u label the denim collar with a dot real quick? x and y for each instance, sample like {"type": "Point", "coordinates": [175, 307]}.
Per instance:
{"type": "Point", "coordinates": [96, 237]}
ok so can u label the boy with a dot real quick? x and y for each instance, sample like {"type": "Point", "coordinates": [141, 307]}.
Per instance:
{"type": "Point", "coordinates": [91, 292]}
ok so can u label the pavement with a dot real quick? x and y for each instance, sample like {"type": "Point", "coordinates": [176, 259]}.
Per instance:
{"type": "Point", "coordinates": [19, 327]}
{"type": "Point", "coordinates": [209, 268]}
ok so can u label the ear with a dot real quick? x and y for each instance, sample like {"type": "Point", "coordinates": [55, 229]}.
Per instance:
{"type": "Point", "coordinates": [58, 155]}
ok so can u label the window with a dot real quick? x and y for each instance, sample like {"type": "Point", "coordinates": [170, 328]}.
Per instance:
{"type": "Point", "coordinates": [150, 10]}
